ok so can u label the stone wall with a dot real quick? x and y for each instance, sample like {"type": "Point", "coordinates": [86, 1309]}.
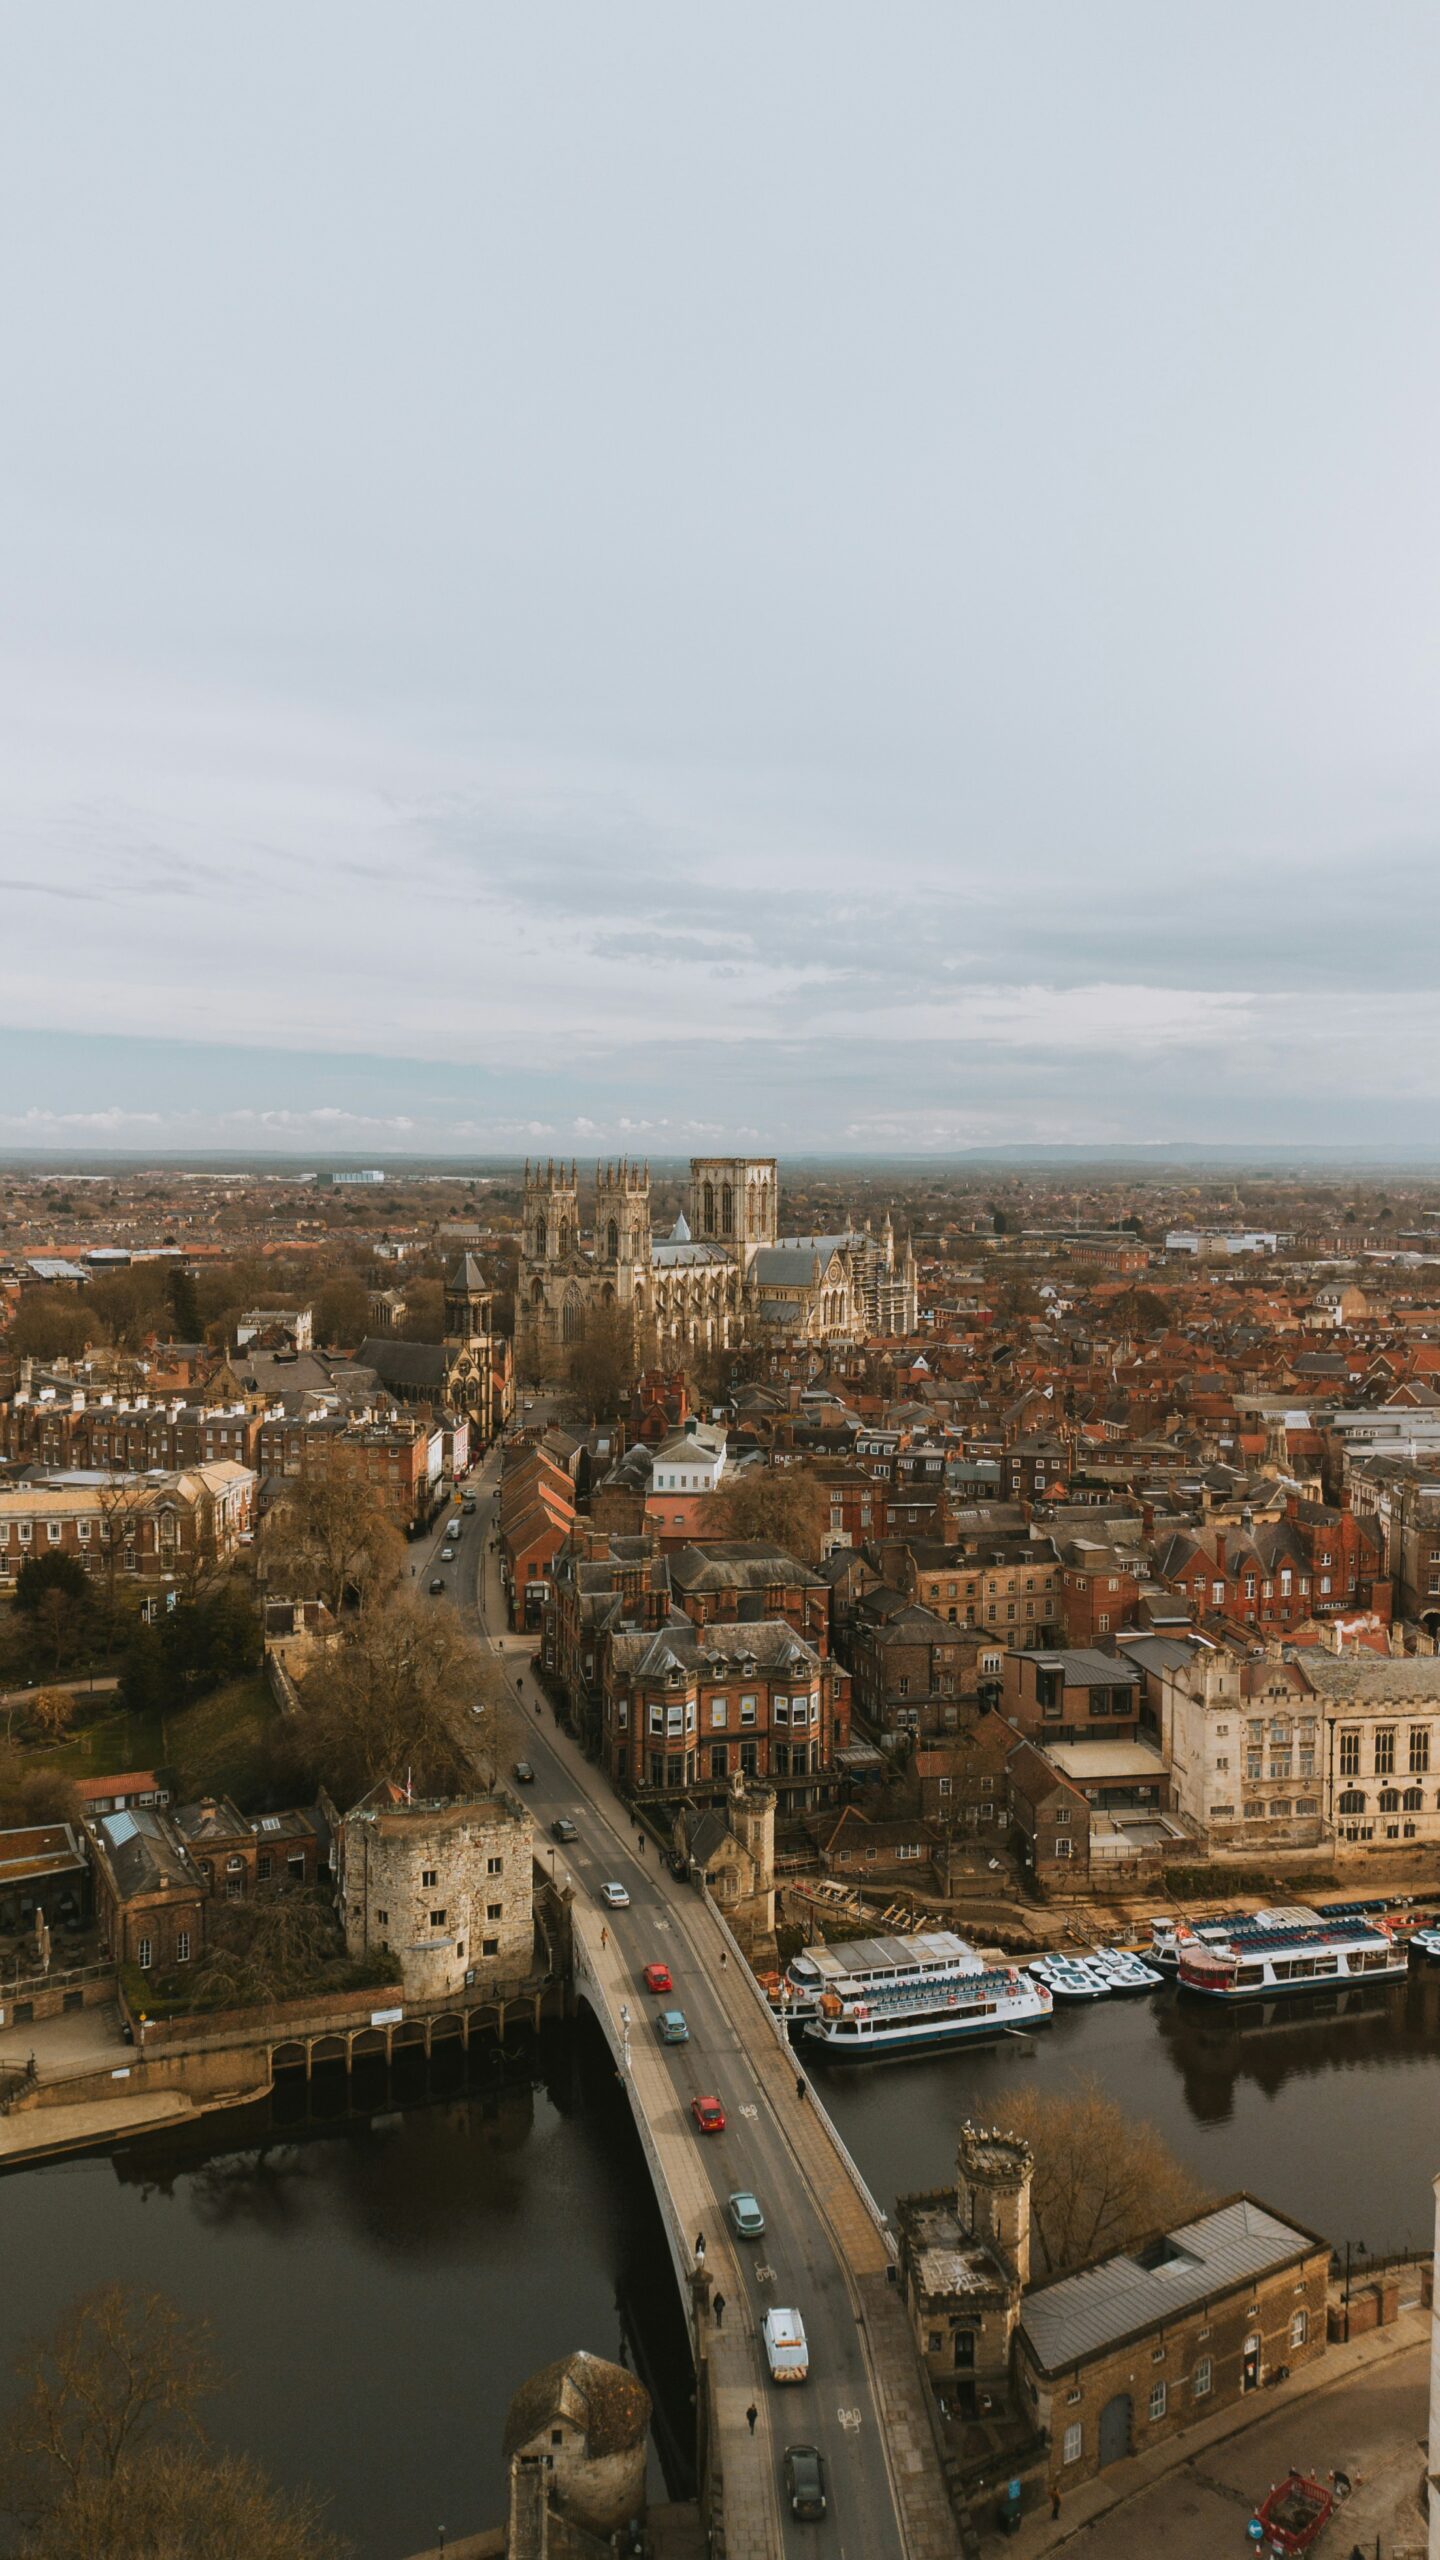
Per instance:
{"type": "Point", "coordinates": [446, 1888]}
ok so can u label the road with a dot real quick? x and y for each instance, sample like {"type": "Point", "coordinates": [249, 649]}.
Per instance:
{"type": "Point", "coordinates": [797, 2262]}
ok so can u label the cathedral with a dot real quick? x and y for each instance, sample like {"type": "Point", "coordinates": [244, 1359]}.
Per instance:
{"type": "Point", "coordinates": [723, 1274]}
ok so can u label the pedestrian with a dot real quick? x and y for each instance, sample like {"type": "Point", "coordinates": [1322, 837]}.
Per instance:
{"type": "Point", "coordinates": [604, 1937]}
{"type": "Point", "coordinates": [751, 2414]}
{"type": "Point", "coordinates": [1054, 2506]}
{"type": "Point", "coordinates": [699, 2244]}
{"type": "Point", "coordinates": [724, 1959]}
{"type": "Point", "coordinates": [719, 2310]}
{"type": "Point", "coordinates": [799, 2084]}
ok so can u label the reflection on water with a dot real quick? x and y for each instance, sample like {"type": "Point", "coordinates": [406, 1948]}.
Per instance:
{"type": "Point", "coordinates": [1295, 2099]}
{"type": "Point", "coordinates": [383, 2261]}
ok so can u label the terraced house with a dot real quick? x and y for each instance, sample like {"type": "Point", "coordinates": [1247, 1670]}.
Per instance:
{"type": "Point", "coordinates": [692, 1706]}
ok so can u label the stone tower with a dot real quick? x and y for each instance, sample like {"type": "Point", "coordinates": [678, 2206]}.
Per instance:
{"type": "Point", "coordinates": [576, 2441]}
{"type": "Point", "coordinates": [992, 2176]}
{"type": "Point", "coordinates": [552, 1212]}
{"type": "Point", "coordinates": [548, 1299]}
{"type": "Point", "coordinates": [735, 1201]}
{"type": "Point", "coordinates": [622, 1225]}
{"type": "Point", "coordinates": [467, 1302]}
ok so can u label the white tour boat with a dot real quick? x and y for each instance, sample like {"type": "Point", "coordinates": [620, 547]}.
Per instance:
{"type": "Point", "coordinates": [871, 1997]}
{"type": "Point", "coordinates": [1286, 1950]}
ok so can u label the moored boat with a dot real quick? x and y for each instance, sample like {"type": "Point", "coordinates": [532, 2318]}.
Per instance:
{"type": "Point", "coordinates": [1070, 1977]}
{"type": "Point", "coordinates": [1282, 1951]}
{"type": "Point", "coordinates": [879, 1996]}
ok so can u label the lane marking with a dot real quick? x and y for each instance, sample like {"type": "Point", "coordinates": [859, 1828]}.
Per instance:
{"type": "Point", "coordinates": [850, 2420]}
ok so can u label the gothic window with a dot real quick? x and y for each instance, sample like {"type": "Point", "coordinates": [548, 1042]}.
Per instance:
{"type": "Point", "coordinates": [708, 1213]}
{"type": "Point", "coordinates": [540, 1237]}
{"type": "Point", "coordinates": [727, 1210]}
{"type": "Point", "coordinates": [612, 1241]}
{"type": "Point", "coordinates": [537, 1293]}
{"type": "Point", "coordinates": [1352, 1801]}
{"type": "Point", "coordinates": [564, 1238]}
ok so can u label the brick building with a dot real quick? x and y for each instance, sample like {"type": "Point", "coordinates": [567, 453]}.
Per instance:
{"type": "Point", "coordinates": [157, 1531]}
{"type": "Point", "coordinates": [690, 1707]}
{"type": "Point", "coordinates": [913, 1670]}
{"type": "Point", "coordinates": [1074, 1695]}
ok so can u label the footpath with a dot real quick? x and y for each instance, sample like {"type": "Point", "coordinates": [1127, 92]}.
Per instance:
{"type": "Point", "coordinates": [1340, 2371]}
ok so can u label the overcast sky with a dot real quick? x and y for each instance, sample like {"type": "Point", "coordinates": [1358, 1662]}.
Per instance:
{"type": "Point", "coordinates": [824, 575]}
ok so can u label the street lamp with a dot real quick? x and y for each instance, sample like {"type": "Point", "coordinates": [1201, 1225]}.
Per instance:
{"type": "Point", "coordinates": [625, 2036]}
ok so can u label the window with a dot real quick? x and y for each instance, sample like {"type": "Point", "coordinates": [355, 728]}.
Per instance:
{"type": "Point", "coordinates": [263, 1866]}
{"type": "Point", "coordinates": [622, 1715]}
{"type": "Point", "coordinates": [1204, 2376]}
{"type": "Point", "coordinates": [1352, 1801]}
{"type": "Point", "coordinates": [52, 1532]}
{"type": "Point", "coordinates": [1299, 2328]}
{"type": "Point", "coordinates": [1350, 1753]}
{"type": "Point", "coordinates": [747, 1710]}
{"type": "Point", "coordinates": [1158, 2397]}
{"type": "Point", "coordinates": [494, 1910]}
{"type": "Point", "coordinates": [383, 1919]}
{"type": "Point", "coordinates": [182, 1946]}
{"type": "Point", "coordinates": [1384, 1750]}
{"type": "Point", "coordinates": [1074, 2442]}
{"type": "Point", "coordinates": [494, 1866]}
{"type": "Point", "coordinates": [429, 1875]}
{"type": "Point", "coordinates": [437, 1919]}
{"type": "Point", "coordinates": [719, 1711]}
{"type": "Point", "coordinates": [1064, 1848]}
{"type": "Point", "coordinates": [144, 1954]}
{"type": "Point", "coordinates": [1419, 1749]}
{"type": "Point", "coordinates": [489, 1946]}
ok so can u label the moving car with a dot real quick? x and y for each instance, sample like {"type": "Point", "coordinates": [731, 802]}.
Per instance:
{"type": "Point", "coordinates": [672, 2027]}
{"type": "Point", "coordinates": [805, 2482]}
{"type": "Point", "coordinates": [437, 1585]}
{"type": "Point", "coordinates": [523, 1774]}
{"type": "Point", "coordinates": [709, 2115]}
{"type": "Point", "coordinates": [746, 2219]}
{"type": "Point", "coordinates": [447, 1555]}
{"type": "Point", "coordinates": [786, 2350]}
{"type": "Point", "coordinates": [656, 1977]}
{"type": "Point", "coordinates": [615, 1897]}
{"type": "Point", "coordinates": [562, 1828]}
{"type": "Point", "coordinates": [469, 1502]}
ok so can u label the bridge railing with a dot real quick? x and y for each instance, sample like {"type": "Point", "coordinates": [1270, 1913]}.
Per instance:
{"type": "Point", "coordinates": [776, 2024]}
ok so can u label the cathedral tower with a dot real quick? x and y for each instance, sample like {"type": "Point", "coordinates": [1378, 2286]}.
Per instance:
{"type": "Point", "coordinates": [622, 1224]}
{"type": "Point", "coordinates": [734, 1201]}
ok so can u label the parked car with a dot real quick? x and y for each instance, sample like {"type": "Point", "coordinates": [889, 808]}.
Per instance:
{"type": "Point", "coordinates": [805, 2482]}
{"type": "Point", "coordinates": [709, 2115]}
{"type": "Point", "coordinates": [615, 1897]}
{"type": "Point", "coordinates": [746, 2219]}
{"type": "Point", "coordinates": [672, 2027]}
{"type": "Point", "coordinates": [656, 1977]}
{"type": "Point", "coordinates": [562, 1828]}
{"type": "Point", "coordinates": [523, 1774]}
{"type": "Point", "coordinates": [437, 1586]}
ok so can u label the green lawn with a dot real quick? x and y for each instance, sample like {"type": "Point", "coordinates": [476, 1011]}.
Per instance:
{"type": "Point", "coordinates": [215, 1746]}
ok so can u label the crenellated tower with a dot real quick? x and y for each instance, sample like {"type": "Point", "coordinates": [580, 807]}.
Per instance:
{"type": "Point", "coordinates": [622, 1222]}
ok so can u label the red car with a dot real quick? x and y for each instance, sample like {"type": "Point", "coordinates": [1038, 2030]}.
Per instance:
{"type": "Point", "coordinates": [656, 1977]}
{"type": "Point", "coordinates": [709, 2115]}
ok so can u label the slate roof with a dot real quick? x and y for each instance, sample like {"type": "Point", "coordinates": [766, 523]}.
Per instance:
{"type": "Point", "coordinates": [139, 1855]}
{"type": "Point", "coordinates": [1082, 1667]}
{"type": "Point", "coordinates": [405, 1364]}
{"type": "Point", "coordinates": [734, 1564]}
{"type": "Point", "coordinates": [771, 1643]}
{"type": "Point", "coordinates": [1371, 1676]}
{"type": "Point", "coordinates": [612, 2406]}
{"type": "Point", "coordinates": [1123, 2297]}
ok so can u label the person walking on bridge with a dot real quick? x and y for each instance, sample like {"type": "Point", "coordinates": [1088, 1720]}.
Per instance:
{"type": "Point", "coordinates": [719, 2310]}
{"type": "Point", "coordinates": [751, 2414]}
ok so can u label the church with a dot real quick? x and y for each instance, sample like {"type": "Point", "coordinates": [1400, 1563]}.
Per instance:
{"type": "Point", "coordinates": [722, 1274]}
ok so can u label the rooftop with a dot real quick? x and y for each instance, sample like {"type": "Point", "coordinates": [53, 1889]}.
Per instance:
{"type": "Point", "coordinates": [1086, 2314]}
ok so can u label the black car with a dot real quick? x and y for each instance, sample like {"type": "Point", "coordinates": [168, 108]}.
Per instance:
{"type": "Point", "coordinates": [563, 1828]}
{"type": "Point", "coordinates": [805, 2482]}
{"type": "Point", "coordinates": [437, 1585]}
{"type": "Point", "coordinates": [523, 1774]}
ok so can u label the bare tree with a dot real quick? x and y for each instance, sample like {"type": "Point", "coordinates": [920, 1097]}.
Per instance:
{"type": "Point", "coordinates": [786, 1507]}
{"type": "Point", "coordinates": [601, 1367]}
{"type": "Point", "coordinates": [53, 1710]}
{"type": "Point", "coordinates": [188, 2505]}
{"type": "Point", "coordinates": [1103, 2178]}
{"type": "Point", "coordinates": [386, 1700]}
{"type": "Point", "coordinates": [330, 1534]}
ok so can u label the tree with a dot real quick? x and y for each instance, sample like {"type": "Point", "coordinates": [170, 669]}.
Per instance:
{"type": "Point", "coordinates": [29, 1794]}
{"type": "Point", "coordinates": [331, 1535]}
{"type": "Point", "coordinates": [41, 1574]}
{"type": "Point", "coordinates": [601, 1367]}
{"type": "Point", "coordinates": [424, 1317]}
{"type": "Point", "coordinates": [283, 1943]}
{"type": "Point", "coordinates": [53, 1710]}
{"type": "Point", "coordinates": [385, 1700]}
{"type": "Point", "coordinates": [52, 1324]}
{"type": "Point", "coordinates": [105, 2453]}
{"type": "Point", "coordinates": [785, 1507]}
{"type": "Point", "coordinates": [342, 1310]}
{"type": "Point", "coordinates": [1139, 1311]}
{"type": "Point", "coordinates": [131, 1304]}
{"type": "Point", "coordinates": [184, 1300]}
{"type": "Point", "coordinates": [1103, 2180]}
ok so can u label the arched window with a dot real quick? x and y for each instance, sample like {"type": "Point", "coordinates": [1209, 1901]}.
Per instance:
{"type": "Point", "coordinates": [612, 1241]}
{"type": "Point", "coordinates": [727, 1210]}
{"type": "Point", "coordinates": [540, 1237]}
{"type": "Point", "coordinates": [1389, 1799]}
{"type": "Point", "coordinates": [708, 1211]}
{"type": "Point", "coordinates": [537, 1293]}
{"type": "Point", "coordinates": [1352, 1801]}
{"type": "Point", "coordinates": [564, 1238]}
{"type": "Point", "coordinates": [1414, 1800]}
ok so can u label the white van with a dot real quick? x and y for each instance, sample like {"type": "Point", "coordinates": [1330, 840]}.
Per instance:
{"type": "Point", "coordinates": [786, 2352]}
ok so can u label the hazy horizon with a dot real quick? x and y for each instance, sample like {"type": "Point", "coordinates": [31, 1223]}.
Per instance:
{"type": "Point", "coordinates": [817, 579]}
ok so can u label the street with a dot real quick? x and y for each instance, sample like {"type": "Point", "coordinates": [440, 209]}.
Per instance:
{"type": "Point", "coordinates": [796, 2263]}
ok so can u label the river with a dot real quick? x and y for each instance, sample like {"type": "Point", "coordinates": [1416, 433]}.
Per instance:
{"type": "Point", "coordinates": [384, 2261]}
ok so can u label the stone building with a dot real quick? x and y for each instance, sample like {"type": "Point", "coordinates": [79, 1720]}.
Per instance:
{"type": "Point", "coordinates": [469, 1371]}
{"type": "Point", "coordinates": [964, 2264]}
{"type": "Point", "coordinates": [722, 1270]}
{"type": "Point", "coordinates": [442, 1884]}
{"type": "Point", "coordinates": [733, 1846]}
{"type": "Point", "coordinates": [576, 2442]}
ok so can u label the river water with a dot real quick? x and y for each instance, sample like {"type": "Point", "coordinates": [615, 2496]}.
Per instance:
{"type": "Point", "coordinates": [384, 2261]}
